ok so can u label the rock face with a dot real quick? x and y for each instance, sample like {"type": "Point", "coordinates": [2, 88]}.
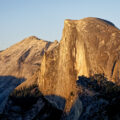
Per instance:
{"type": "Point", "coordinates": [89, 46]}
{"type": "Point", "coordinates": [24, 58]}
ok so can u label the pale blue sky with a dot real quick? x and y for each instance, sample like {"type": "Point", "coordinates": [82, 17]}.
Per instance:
{"type": "Point", "coordinates": [45, 18]}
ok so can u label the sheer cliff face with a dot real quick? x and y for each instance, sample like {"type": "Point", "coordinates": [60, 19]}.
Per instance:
{"type": "Point", "coordinates": [96, 47]}
{"type": "Point", "coordinates": [88, 46]}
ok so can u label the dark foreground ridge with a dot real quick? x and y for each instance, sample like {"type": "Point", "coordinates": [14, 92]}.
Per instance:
{"type": "Point", "coordinates": [99, 97]}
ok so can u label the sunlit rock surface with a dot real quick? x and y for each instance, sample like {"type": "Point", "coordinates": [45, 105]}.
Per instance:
{"type": "Point", "coordinates": [24, 58]}
{"type": "Point", "coordinates": [89, 46]}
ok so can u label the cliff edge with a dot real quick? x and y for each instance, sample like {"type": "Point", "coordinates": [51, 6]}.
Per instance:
{"type": "Point", "coordinates": [89, 46]}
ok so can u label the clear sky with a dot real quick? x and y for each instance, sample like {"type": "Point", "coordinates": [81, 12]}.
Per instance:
{"type": "Point", "coordinates": [45, 18]}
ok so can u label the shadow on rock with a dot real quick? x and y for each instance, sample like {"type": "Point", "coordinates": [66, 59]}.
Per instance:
{"type": "Point", "coordinates": [7, 85]}
{"type": "Point", "coordinates": [99, 98]}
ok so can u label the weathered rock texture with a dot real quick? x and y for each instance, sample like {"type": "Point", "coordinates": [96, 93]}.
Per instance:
{"type": "Point", "coordinates": [24, 58]}
{"type": "Point", "coordinates": [95, 45]}
{"type": "Point", "coordinates": [89, 46]}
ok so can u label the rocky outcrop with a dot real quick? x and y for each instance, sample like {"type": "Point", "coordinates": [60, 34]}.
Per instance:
{"type": "Point", "coordinates": [89, 46]}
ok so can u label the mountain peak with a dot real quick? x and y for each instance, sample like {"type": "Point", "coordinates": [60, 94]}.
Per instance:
{"type": "Point", "coordinates": [33, 37]}
{"type": "Point", "coordinates": [88, 21]}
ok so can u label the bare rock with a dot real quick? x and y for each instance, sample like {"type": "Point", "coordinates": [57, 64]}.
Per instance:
{"type": "Point", "coordinates": [24, 58]}
{"type": "Point", "coordinates": [89, 46]}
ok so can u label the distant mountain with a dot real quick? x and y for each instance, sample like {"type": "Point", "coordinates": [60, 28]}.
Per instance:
{"type": "Point", "coordinates": [76, 79]}
{"type": "Point", "coordinates": [24, 58]}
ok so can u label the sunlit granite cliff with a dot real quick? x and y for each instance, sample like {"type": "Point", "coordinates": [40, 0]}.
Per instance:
{"type": "Point", "coordinates": [77, 78]}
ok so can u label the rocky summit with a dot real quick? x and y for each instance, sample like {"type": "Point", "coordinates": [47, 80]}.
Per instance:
{"type": "Point", "coordinates": [76, 79]}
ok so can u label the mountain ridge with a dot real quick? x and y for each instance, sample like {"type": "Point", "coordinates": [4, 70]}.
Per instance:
{"type": "Point", "coordinates": [18, 58]}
